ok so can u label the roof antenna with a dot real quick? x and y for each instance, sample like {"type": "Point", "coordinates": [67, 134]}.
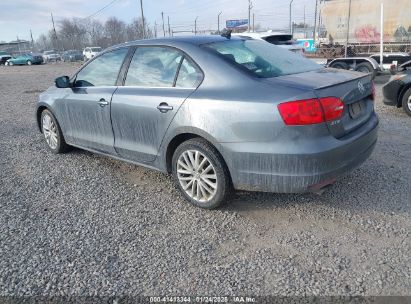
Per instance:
{"type": "Point", "coordinates": [226, 33]}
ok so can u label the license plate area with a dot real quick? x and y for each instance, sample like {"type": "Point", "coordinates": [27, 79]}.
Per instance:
{"type": "Point", "coordinates": [355, 109]}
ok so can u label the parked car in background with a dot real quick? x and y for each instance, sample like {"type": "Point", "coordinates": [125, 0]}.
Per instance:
{"type": "Point", "coordinates": [50, 56]}
{"type": "Point", "coordinates": [25, 59]}
{"type": "Point", "coordinates": [90, 52]}
{"type": "Point", "coordinates": [283, 40]}
{"type": "Point", "coordinates": [4, 56]}
{"type": "Point", "coordinates": [397, 92]}
{"type": "Point", "coordinates": [72, 55]}
{"type": "Point", "coordinates": [216, 113]}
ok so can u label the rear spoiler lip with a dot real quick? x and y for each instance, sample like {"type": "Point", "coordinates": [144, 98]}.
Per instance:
{"type": "Point", "coordinates": [346, 81]}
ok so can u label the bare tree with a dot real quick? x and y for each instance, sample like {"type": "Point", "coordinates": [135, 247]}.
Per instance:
{"type": "Point", "coordinates": [115, 30]}
{"type": "Point", "coordinates": [135, 30]}
{"type": "Point", "coordinates": [73, 33]}
{"type": "Point", "coordinates": [96, 33]}
{"type": "Point", "coordinates": [77, 33]}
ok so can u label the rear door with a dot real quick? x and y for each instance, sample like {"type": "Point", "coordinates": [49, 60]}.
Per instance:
{"type": "Point", "coordinates": [158, 81]}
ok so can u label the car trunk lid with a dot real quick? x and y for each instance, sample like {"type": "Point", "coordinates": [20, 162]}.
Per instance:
{"type": "Point", "coordinates": [354, 89]}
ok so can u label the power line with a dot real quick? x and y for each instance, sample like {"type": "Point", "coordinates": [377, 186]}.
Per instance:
{"type": "Point", "coordinates": [102, 9]}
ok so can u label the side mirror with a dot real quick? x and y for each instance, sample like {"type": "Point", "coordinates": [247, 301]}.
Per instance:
{"type": "Point", "coordinates": [62, 82]}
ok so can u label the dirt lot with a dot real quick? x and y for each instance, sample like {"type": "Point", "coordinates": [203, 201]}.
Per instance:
{"type": "Point", "coordinates": [84, 224]}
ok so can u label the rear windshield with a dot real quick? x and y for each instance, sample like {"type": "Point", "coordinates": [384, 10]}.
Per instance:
{"type": "Point", "coordinates": [96, 49]}
{"type": "Point", "coordinates": [261, 58]}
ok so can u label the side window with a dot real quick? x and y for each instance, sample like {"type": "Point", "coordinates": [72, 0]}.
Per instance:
{"type": "Point", "coordinates": [103, 71]}
{"type": "Point", "coordinates": [153, 67]}
{"type": "Point", "coordinates": [189, 76]}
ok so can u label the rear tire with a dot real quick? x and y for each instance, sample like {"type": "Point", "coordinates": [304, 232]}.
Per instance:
{"type": "Point", "coordinates": [340, 65]}
{"type": "Point", "coordinates": [52, 133]}
{"type": "Point", "coordinates": [201, 174]}
{"type": "Point", "coordinates": [406, 102]}
{"type": "Point", "coordinates": [29, 62]}
{"type": "Point", "coordinates": [364, 67]}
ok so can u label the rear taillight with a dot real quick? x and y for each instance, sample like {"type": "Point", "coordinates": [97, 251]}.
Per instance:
{"type": "Point", "coordinates": [311, 111]}
{"type": "Point", "coordinates": [333, 108]}
{"type": "Point", "coordinates": [301, 112]}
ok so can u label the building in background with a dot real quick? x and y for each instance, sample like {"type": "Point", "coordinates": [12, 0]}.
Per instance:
{"type": "Point", "coordinates": [16, 47]}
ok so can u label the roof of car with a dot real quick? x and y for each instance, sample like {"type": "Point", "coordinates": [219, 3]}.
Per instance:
{"type": "Point", "coordinates": [178, 40]}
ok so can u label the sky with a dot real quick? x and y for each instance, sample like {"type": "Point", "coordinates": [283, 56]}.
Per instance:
{"type": "Point", "coordinates": [18, 17]}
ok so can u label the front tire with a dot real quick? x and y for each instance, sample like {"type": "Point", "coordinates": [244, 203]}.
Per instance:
{"type": "Point", "coordinates": [52, 133]}
{"type": "Point", "coordinates": [406, 102]}
{"type": "Point", "coordinates": [201, 174]}
{"type": "Point", "coordinates": [11, 63]}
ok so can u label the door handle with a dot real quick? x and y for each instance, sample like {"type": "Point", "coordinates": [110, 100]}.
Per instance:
{"type": "Point", "coordinates": [164, 107]}
{"type": "Point", "coordinates": [102, 102]}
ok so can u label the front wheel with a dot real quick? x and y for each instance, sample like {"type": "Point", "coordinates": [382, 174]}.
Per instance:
{"type": "Point", "coordinates": [201, 174]}
{"type": "Point", "coordinates": [406, 102]}
{"type": "Point", "coordinates": [52, 133]}
{"type": "Point", "coordinates": [11, 63]}
{"type": "Point", "coordinates": [29, 62]}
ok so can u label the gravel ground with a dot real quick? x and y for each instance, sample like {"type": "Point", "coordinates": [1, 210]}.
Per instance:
{"type": "Point", "coordinates": [84, 224]}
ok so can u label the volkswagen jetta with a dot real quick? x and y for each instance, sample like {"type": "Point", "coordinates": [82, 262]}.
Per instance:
{"type": "Point", "coordinates": [217, 113]}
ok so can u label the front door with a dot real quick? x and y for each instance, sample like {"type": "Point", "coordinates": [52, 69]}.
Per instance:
{"type": "Point", "coordinates": [158, 81]}
{"type": "Point", "coordinates": [87, 105]}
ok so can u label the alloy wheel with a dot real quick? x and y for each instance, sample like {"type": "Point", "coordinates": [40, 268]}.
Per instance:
{"type": "Point", "coordinates": [197, 175]}
{"type": "Point", "coordinates": [409, 103]}
{"type": "Point", "coordinates": [50, 131]}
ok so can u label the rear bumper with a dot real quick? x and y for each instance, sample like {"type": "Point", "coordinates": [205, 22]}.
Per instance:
{"type": "Point", "coordinates": [262, 169]}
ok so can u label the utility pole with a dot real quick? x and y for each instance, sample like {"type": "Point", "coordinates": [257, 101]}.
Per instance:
{"type": "Point", "coordinates": [305, 29]}
{"type": "Point", "coordinates": [142, 19]}
{"type": "Point", "coordinates": [54, 29]}
{"type": "Point", "coordinates": [291, 24]}
{"type": "Point", "coordinates": [348, 29]}
{"type": "Point", "coordinates": [155, 29]}
{"type": "Point", "coordinates": [253, 22]}
{"type": "Point", "coordinates": [32, 40]}
{"type": "Point", "coordinates": [382, 38]}
{"type": "Point", "coordinates": [162, 17]}
{"type": "Point", "coordinates": [250, 6]}
{"type": "Point", "coordinates": [195, 26]}
{"type": "Point", "coordinates": [168, 21]}
{"type": "Point", "coordinates": [218, 22]}
{"type": "Point", "coordinates": [315, 21]}
{"type": "Point", "coordinates": [319, 21]}
{"type": "Point", "coordinates": [18, 44]}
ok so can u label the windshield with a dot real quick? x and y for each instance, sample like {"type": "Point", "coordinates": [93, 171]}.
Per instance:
{"type": "Point", "coordinates": [262, 59]}
{"type": "Point", "coordinates": [96, 49]}
{"type": "Point", "coordinates": [48, 52]}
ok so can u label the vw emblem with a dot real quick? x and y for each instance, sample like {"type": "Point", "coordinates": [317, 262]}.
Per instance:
{"type": "Point", "coordinates": [361, 87]}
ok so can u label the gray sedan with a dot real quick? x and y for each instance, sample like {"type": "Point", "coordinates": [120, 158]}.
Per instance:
{"type": "Point", "coordinates": [218, 113]}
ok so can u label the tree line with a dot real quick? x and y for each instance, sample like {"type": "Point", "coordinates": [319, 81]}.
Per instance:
{"type": "Point", "coordinates": [77, 33]}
